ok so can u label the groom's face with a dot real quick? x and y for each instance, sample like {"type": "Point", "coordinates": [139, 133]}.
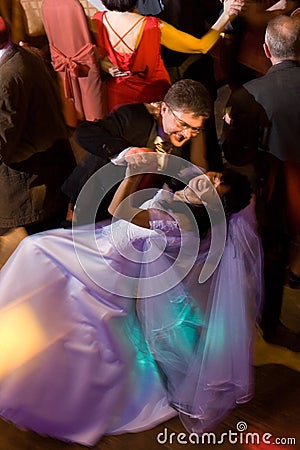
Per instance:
{"type": "Point", "coordinates": [180, 126]}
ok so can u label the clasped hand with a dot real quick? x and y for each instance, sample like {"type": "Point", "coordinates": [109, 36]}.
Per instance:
{"type": "Point", "coordinates": [140, 160]}
{"type": "Point", "coordinates": [234, 7]}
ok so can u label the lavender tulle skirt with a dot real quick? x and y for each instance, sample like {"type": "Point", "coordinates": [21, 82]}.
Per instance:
{"type": "Point", "coordinates": [90, 347]}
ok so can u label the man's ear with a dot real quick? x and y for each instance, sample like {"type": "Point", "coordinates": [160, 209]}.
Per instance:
{"type": "Point", "coordinates": [163, 107]}
{"type": "Point", "coordinates": [266, 50]}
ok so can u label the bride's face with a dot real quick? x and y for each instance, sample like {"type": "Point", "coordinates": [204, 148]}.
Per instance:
{"type": "Point", "coordinates": [200, 185]}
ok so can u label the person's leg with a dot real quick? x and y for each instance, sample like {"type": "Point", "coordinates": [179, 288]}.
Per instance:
{"type": "Point", "coordinates": [275, 247]}
{"type": "Point", "coordinates": [292, 176]}
{"type": "Point", "coordinates": [294, 262]}
{"type": "Point", "coordinates": [275, 258]}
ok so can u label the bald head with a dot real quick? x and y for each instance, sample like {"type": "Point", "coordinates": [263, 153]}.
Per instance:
{"type": "Point", "coordinates": [283, 38]}
{"type": "Point", "coordinates": [4, 32]}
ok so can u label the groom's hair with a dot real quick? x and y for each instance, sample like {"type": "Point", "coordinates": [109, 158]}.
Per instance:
{"type": "Point", "coordinates": [189, 96]}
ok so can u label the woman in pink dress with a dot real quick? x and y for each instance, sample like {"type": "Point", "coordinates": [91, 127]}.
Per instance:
{"type": "Point", "coordinates": [132, 43]}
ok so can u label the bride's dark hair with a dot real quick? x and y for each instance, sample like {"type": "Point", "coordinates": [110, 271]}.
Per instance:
{"type": "Point", "coordinates": [239, 194]}
{"type": "Point", "coordinates": [233, 201]}
{"type": "Point", "coordinates": [236, 199]}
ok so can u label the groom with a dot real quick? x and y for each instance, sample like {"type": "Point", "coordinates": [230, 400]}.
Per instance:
{"type": "Point", "coordinates": [135, 128]}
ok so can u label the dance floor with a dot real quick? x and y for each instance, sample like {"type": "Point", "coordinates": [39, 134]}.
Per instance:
{"type": "Point", "coordinates": [273, 413]}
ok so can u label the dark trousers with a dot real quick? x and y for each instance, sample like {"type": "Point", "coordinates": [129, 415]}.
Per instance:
{"type": "Point", "coordinates": [275, 245]}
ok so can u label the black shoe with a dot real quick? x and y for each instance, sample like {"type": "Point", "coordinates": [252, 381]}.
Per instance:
{"type": "Point", "coordinates": [284, 337]}
{"type": "Point", "coordinates": [294, 280]}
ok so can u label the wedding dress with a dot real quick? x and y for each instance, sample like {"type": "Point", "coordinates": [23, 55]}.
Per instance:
{"type": "Point", "coordinates": [90, 346]}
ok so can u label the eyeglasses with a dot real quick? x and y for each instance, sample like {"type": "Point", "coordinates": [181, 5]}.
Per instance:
{"type": "Point", "coordinates": [185, 126]}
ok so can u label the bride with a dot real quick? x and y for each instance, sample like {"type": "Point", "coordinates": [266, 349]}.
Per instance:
{"type": "Point", "coordinates": [113, 329]}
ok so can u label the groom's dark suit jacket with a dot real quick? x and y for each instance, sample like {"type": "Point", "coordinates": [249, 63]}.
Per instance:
{"type": "Point", "coordinates": [129, 126]}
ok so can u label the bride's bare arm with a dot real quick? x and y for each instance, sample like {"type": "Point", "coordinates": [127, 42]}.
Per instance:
{"type": "Point", "coordinates": [121, 205]}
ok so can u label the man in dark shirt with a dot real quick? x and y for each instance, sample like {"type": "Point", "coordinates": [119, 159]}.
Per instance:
{"type": "Point", "coordinates": [35, 155]}
{"type": "Point", "coordinates": [263, 128]}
